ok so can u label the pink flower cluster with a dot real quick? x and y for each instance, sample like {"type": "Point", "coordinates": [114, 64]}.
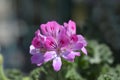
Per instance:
{"type": "Point", "coordinates": [54, 41]}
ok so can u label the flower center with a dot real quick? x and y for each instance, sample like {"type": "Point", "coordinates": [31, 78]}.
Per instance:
{"type": "Point", "coordinates": [58, 50]}
{"type": "Point", "coordinates": [42, 50]}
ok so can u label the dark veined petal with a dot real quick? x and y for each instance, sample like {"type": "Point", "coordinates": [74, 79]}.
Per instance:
{"type": "Point", "coordinates": [51, 28]}
{"type": "Point", "coordinates": [36, 42]}
{"type": "Point", "coordinates": [63, 39]}
{"type": "Point", "coordinates": [73, 38]}
{"type": "Point", "coordinates": [50, 43]}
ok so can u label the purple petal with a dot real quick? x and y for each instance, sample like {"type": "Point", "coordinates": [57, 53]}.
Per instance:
{"type": "Point", "coordinates": [37, 59]}
{"type": "Point", "coordinates": [50, 28]}
{"type": "Point", "coordinates": [33, 50]}
{"type": "Point", "coordinates": [49, 55]}
{"type": "Point", "coordinates": [71, 27]}
{"type": "Point", "coordinates": [57, 63]}
{"type": "Point", "coordinates": [65, 24]}
{"type": "Point", "coordinates": [44, 29]}
{"type": "Point", "coordinates": [50, 43]}
{"type": "Point", "coordinates": [76, 53]}
{"type": "Point", "coordinates": [82, 40]}
{"type": "Point", "coordinates": [84, 50]}
{"type": "Point", "coordinates": [53, 28]}
{"type": "Point", "coordinates": [63, 40]}
{"type": "Point", "coordinates": [77, 46]}
{"type": "Point", "coordinates": [39, 64]}
{"type": "Point", "coordinates": [36, 42]}
{"type": "Point", "coordinates": [37, 33]}
{"type": "Point", "coordinates": [74, 38]}
{"type": "Point", "coordinates": [70, 55]}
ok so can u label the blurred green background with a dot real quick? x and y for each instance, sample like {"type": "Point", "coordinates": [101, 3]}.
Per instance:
{"type": "Point", "coordinates": [97, 20]}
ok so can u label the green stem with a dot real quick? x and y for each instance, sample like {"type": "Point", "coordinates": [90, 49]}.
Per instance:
{"type": "Point", "coordinates": [57, 76]}
{"type": "Point", "coordinates": [2, 75]}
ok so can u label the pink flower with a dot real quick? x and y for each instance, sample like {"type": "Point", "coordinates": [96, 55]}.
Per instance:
{"type": "Point", "coordinates": [55, 42]}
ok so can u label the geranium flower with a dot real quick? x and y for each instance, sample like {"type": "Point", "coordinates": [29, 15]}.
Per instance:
{"type": "Point", "coordinates": [55, 41]}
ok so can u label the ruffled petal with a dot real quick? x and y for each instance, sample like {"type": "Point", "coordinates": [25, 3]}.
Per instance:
{"type": "Point", "coordinates": [57, 63]}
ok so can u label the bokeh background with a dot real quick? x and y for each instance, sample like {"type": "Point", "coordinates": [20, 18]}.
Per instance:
{"type": "Point", "coordinates": [19, 19]}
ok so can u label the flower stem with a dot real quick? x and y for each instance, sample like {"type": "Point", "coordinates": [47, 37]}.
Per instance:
{"type": "Point", "coordinates": [57, 76]}
{"type": "Point", "coordinates": [2, 75]}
